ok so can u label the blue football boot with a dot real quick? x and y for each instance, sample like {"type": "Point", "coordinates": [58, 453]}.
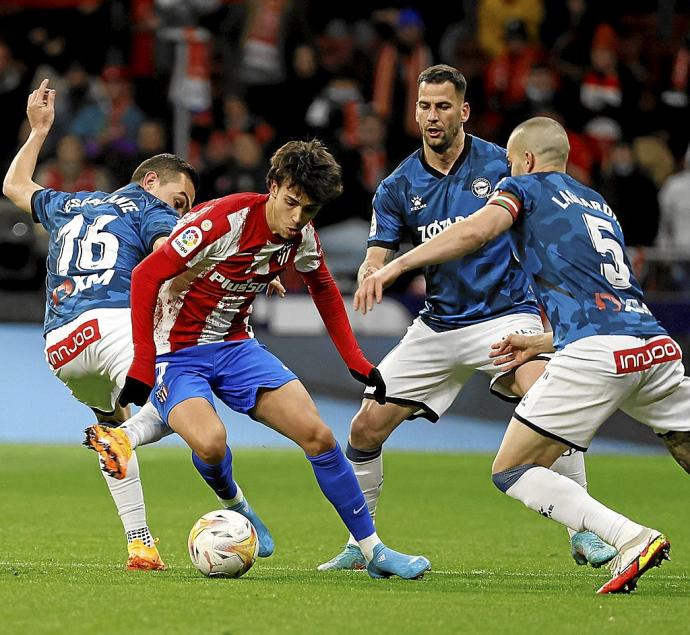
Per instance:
{"type": "Point", "coordinates": [350, 558]}
{"type": "Point", "coordinates": [387, 563]}
{"type": "Point", "coordinates": [266, 544]}
{"type": "Point", "coordinates": [588, 548]}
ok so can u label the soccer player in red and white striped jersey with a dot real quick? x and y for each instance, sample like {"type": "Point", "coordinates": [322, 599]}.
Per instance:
{"type": "Point", "coordinates": [191, 302]}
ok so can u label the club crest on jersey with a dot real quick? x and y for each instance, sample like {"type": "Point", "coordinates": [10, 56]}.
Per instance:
{"type": "Point", "coordinates": [417, 203]}
{"type": "Point", "coordinates": [185, 242]}
{"type": "Point", "coordinates": [283, 254]}
{"type": "Point", "coordinates": [481, 187]}
{"type": "Point", "coordinates": [162, 393]}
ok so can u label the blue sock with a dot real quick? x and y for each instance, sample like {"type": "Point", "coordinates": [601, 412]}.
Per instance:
{"type": "Point", "coordinates": [339, 484]}
{"type": "Point", "coordinates": [218, 477]}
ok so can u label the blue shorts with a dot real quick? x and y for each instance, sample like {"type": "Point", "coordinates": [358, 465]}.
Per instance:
{"type": "Point", "coordinates": [233, 371]}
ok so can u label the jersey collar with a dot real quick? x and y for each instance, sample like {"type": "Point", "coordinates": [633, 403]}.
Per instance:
{"type": "Point", "coordinates": [453, 168]}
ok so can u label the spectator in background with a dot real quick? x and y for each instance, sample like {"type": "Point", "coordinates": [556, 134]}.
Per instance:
{"type": "Point", "coordinates": [676, 97]}
{"type": "Point", "coordinates": [151, 140]}
{"type": "Point", "coordinates": [494, 15]}
{"type": "Point", "coordinates": [109, 126]}
{"type": "Point", "coordinates": [674, 204]}
{"type": "Point", "coordinates": [508, 73]}
{"type": "Point", "coordinates": [70, 172]}
{"type": "Point", "coordinates": [632, 195]}
{"type": "Point", "coordinates": [258, 39]}
{"type": "Point", "coordinates": [397, 67]}
{"type": "Point", "coordinates": [236, 166]}
{"type": "Point", "coordinates": [13, 90]}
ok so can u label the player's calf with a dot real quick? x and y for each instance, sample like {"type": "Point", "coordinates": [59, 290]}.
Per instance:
{"type": "Point", "coordinates": [678, 444]}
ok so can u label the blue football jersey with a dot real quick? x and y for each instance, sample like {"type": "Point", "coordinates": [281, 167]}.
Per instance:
{"type": "Point", "coordinates": [569, 242]}
{"type": "Point", "coordinates": [96, 239]}
{"type": "Point", "coordinates": [417, 202]}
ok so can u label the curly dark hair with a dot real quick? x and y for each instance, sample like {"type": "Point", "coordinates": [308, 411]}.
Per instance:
{"type": "Point", "coordinates": [309, 167]}
{"type": "Point", "coordinates": [167, 166]}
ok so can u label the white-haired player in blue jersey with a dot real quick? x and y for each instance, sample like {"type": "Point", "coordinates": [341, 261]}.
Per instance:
{"type": "Point", "coordinates": [96, 239]}
{"type": "Point", "coordinates": [469, 305]}
{"type": "Point", "coordinates": [610, 351]}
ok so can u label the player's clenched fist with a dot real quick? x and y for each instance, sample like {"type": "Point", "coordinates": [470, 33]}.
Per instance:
{"type": "Point", "coordinates": [40, 108]}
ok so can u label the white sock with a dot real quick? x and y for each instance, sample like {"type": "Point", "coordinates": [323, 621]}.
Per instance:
{"type": "Point", "coordinates": [572, 465]}
{"type": "Point", "coordinates": [370, 478]}
{"type": "Point", "coordinates": [367, 545]}
{"type": "Point", "coordinates": [129, 497]}
{"type": "Point", "coordinates": [239, 497]}
{"type": "Point", "coordinates": [145, 426]}
{"type": "Point", "coordinates": [563, 500]}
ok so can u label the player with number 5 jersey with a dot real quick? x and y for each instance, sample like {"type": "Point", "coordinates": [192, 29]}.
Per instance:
{"type": "Point", "coordinates": [610, 351]}
{"type": "Point", "coordinates": [96, 240]}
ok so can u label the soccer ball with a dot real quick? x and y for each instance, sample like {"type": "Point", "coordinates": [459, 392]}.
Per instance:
{"type": "Point", "coordinates": [223, 544]}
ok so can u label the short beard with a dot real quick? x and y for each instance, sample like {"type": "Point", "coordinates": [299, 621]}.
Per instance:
{"type": "Point", "coordinates": [450, 138]}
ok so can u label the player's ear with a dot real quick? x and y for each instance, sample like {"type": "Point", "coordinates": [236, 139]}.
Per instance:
{"type": "Point", "coordinates": [273, 189]}
{"type": "Point", "coordinates": [149, 181]}
{"type": "Point", "coordinates": [465, 112]}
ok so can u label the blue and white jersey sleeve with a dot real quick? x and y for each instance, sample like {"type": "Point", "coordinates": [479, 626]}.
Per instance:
{"type": "Point", "coordinates": [156, 222]}
{"type": "Point", "coordinates": [44, 204]}
{"type": "Point", "coordinates": [387, 224]}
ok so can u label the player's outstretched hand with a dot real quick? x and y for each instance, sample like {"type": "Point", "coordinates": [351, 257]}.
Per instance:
{"type": "Point", "coordinates": [40, 108]}
{"type": "Point", "coordinates": [372, 379]}
{"type": "Point", "coordinates": [134, 391]}
{"type": "Point", "coordinates": [515, 349]}
{"type": "Point", "coordinates": [276, 286]}
{"type": "Point", "coordinates": [373, 285]}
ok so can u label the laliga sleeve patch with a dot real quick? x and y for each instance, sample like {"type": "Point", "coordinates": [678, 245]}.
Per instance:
{"type": "Point", "coordinates": [186, 241]}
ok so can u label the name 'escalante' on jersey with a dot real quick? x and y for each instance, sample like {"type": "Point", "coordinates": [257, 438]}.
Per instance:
{"type": "Point", "coordinates": [96, 240]}
{"type": "Point", "coordinates": [569, 242]}
{"type": "Point", "coordinates": [417, 202]}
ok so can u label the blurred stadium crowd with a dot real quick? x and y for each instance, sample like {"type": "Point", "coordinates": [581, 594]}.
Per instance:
{"type": "Point", "coordinates": [225, 82]}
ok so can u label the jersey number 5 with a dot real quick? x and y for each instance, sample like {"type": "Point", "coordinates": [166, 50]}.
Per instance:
{"type": "Point", "coordinates": [96, 250]}
{"type": "Point", "coordinates": [618, 273]}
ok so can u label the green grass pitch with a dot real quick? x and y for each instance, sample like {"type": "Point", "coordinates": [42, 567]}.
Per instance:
{"type": "Point", "coordinates": [498, 568]}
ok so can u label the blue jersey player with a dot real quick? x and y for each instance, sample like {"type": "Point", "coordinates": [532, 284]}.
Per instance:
{"type": "Point", "coordinates": [470, 303]}
{"type": "Point", "coordinates": [96, 240]}
{"type": "Point", "coordinates": [610, 351]}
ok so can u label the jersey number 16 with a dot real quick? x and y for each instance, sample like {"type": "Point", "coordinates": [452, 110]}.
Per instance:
{"type": "Point", "coordinates": [97, 249]}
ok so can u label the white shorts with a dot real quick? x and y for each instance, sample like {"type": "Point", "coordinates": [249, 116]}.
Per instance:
{"type": "Point", "coordinates": [427, 369]}
{"type": "Point", "coordinates": [591, 378]}
{"type": "Point", "coordinates": [91, 356]}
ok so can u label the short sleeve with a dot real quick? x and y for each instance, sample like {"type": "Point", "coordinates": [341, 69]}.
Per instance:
{"type": "Point", "coordinates": [309, 255]}
{"type": "Point", "coordinates": [510, 195]}
{"type": "Point", "coordinates": [387, 225]}
{"type": "Point", "coordinates": [157, 222]}
{"type": "Point", "coordinates": [44, 203]}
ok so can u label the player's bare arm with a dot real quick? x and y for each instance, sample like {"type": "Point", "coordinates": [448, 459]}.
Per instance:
{"type": "Point", "coordinates": [376, 258]}
{"type": "Point", "coordinates": [455, 241]}
{"type": "Point", "coordinates": [19, 185]}
{"type": "Point", "coordinates": [514, 350]}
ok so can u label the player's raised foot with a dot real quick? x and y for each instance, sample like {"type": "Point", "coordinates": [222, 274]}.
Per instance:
{"type": "Point", "coordinates": [113, 446]}
{"type": "Point", "coordinates": [350, 558]}
{"type": "Point", "coordinates": [386, 563]}
{"type": "Point", "coordinates": [144, 558]}
{"type": "Point", "coordinates": [266, 544]}
{"type": "Point", "coordinates": [648, 550]}
{"type": "Point", "coordinates": [588, 548]}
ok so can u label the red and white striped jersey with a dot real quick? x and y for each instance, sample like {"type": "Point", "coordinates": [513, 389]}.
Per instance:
{"type": "Point", "coordinates": [230, 255]}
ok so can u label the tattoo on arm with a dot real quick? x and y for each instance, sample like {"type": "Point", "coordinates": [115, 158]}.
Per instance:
{"type": "Point", "coordinates": [372, 264]}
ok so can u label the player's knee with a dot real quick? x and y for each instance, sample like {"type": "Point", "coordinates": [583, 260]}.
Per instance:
{"type": "Point", "coordinates": [212, 448]}
{"type": "Point", "coordinates": [317, 440]}
{"type": "Point", "coordinates": [366, 432]}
